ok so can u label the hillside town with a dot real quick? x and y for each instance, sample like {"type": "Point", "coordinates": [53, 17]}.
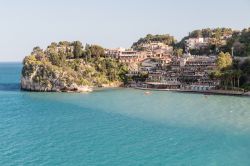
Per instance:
{"type": "Point", "coordinates": [205, 60]}
{"type": "Point", "coordinates": [166, 71]}
{"type": "Point", "coordinates": [163, 69]}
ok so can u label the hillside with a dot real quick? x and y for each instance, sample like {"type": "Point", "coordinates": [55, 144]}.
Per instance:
{"type": "Point", "coordinates": [166, 39]}
{"type": "Point", "coordinates": [66, 66]}
{"type": "Point", "coordinates": [217, 40]}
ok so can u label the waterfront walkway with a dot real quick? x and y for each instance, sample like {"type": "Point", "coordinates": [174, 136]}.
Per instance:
{"type": "Point", "coordinates": [215, 92]}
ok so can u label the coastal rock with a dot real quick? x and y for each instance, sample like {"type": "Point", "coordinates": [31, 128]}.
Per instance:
{"type": "Point", "coordinates": [43, 78]}
{"type": "Point", "coordinates": [247, 93]}
{"type": "Point", "coordinates": [62, 67]}
{"type": "Point", "coordinates": [29, 85]}
{"type": "Point", "coordinates": [84, 89]}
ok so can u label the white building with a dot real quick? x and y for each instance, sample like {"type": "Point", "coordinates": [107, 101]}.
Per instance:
{"type": "Point", "coordinates": [114, 53]}
{"type": "Point", "coordinates": [193, 43]}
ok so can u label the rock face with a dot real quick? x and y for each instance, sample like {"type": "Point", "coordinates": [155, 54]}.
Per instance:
{"type": "Point", "coordinates": [29, 85]}
{"type": "Point", "coordinates": [44, 77]}
{"type": "Point", "coordinates": [54, 85]}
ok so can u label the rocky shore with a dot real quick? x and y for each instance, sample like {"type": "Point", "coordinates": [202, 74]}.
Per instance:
{"type": "Point", "coordinates": [58, 83]}
{"type": "Point", "coordinates": [28, 85]}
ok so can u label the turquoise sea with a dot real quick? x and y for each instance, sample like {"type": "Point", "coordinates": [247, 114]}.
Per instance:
{"type": "Point", "coordinates": [117, 127]}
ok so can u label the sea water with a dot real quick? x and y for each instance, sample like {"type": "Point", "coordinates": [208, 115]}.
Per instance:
{"type": "Point", "coordinates": [116, 127]}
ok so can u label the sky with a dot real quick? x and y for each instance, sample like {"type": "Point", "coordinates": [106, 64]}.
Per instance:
{"type": "Point", "coordinates": [25, 24]}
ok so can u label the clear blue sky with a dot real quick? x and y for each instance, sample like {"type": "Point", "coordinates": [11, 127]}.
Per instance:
{"type": "Point", "coordinates": [110, 23]}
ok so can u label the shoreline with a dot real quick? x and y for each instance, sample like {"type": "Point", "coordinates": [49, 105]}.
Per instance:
{"type": "Point", "coordinates": [209, 92]}
{"type": "Point", "coordinates": [80, 89]}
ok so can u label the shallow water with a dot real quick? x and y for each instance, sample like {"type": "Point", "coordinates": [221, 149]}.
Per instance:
{"type": "Point", "coordinates": [120, 127]}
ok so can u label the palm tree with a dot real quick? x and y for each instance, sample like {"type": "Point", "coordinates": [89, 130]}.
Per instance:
{"type": "Point", "coordinates": [238, 74]}
{"type": "Point", "coordinates": [231, 78]}
{"type": "Point", "coordinates": [225, 78]}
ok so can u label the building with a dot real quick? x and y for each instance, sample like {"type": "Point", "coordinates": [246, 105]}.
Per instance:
{"type": "Point", "coordinates": [162, 85]}
{"type": "Point", "coordinates": [199, 87]}
{"type": "Point", "coordinates": [128, 56]}
{"type": "Point", "coordinates": [190, 72]}
{"type": "Point", "coordinates": [196, 43]}
{"type": "Point", "coordinates": [124, 55]}
{"type": "Point", "coordinates": [114, 53]}
{"type": "Point", "coordinates": [149, 64]}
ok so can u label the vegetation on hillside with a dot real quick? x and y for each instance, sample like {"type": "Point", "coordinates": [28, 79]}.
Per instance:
{"type": "Point", "coordinates": [73, 63]}
{"type": "Point", "coordinates": [220, 39]}
{"type": "Point", "coordinates": [232, 73]}
{"type": "Point", "coordinates": [166, 39]}
{"type": "Point", "coordinates": [240, 42]}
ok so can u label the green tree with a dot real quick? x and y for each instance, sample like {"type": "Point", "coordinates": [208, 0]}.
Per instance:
{"type": "Point", "coordinates": [195, 34]}
{"type": "Point", "coordinates": [224, 61]}
{"type": "Point", "coordinates": [166, 39]}
{"type": "Point", "coordinates": [206, 32]}
{"type": "Point", "coordinates": [64, 43]}
{"type": "Point", "coordinates": [78, 49]}
{"type": "Point", "coordinates": [178, 52]}
{"type": "Point", "coordinates": [69, 53]}
{"type": "Point", "coordinates": [57, 58]}
{"type": "Point", "coordinates": [36, 50]}
{"type": "Point", "coordinates": [238, 74]}
{"type": "Point", "coordinates": [53, 45]}
{"type": "Point", "coordinates": [95, 51]}
{"type": "Point", "coordinates": [54, 57]}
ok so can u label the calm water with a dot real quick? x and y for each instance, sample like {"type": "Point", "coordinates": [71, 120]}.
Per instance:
{"type": "Point", "coordinates": [120, 127]}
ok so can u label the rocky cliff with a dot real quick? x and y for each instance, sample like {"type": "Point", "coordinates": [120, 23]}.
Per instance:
{"type": "Point", "coordinates": [52, 71]}
{"type": "Point", "coordinates": [43, 76]}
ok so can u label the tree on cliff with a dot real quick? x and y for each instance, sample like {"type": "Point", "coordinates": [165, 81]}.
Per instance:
{"type": "Point", "coordinates": [56, 58]}
{"type": "Point", "coordinates": [240, 41]}
{"type": "Point", "coordinates": [87, 53]}
{"type": "Point", "coordinates": [95, 51]}
{"type": "Point", "coordinates": [195, 34]}
{"type": "Point", "coordinates": [36, 50]}
{"type": "Point", "coordinates": [78, 49]}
